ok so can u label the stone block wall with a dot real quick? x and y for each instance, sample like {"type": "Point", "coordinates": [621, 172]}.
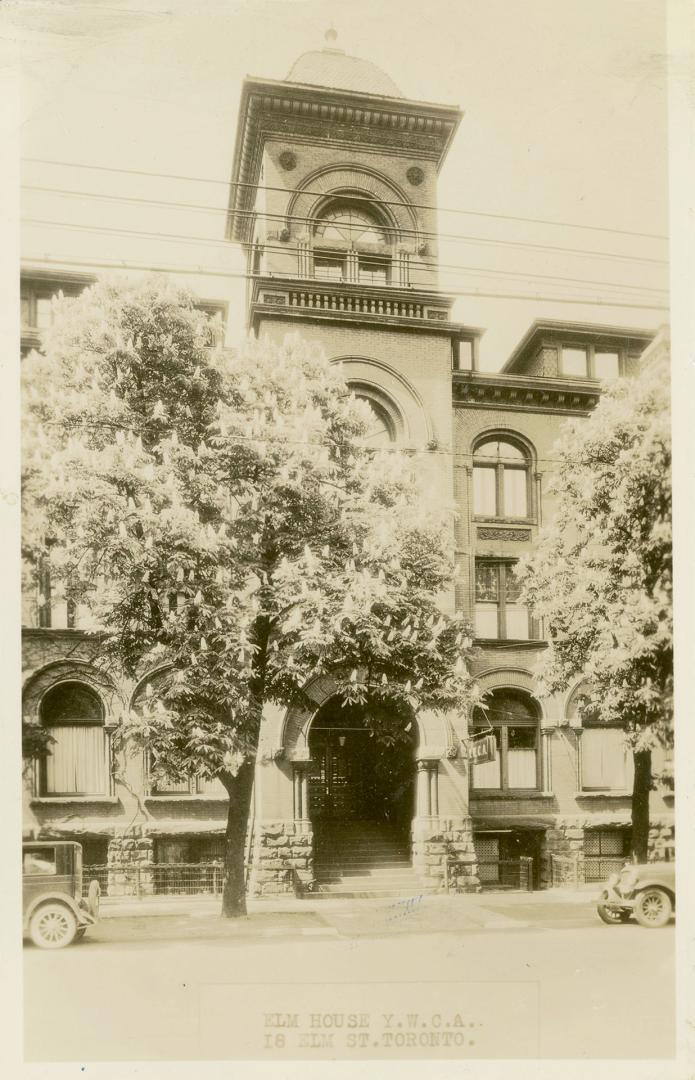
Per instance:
{"type": "Point", "coordinates": [130, 860]}
{"type": "Point", "coordinates": [282, 858]}
{"type": "Point", "coordinates": [446, 840]}
{"type": "Point", "coordinates": [661, 841]}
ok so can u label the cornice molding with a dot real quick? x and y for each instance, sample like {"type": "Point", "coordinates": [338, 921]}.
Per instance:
{"type": "Point", "coordinates": [522, 393]}
{"type": "Point", "coordinates": [269, 107]}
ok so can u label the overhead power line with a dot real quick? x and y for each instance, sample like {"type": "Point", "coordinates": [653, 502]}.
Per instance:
{"type": "Point", "coordinates": [201, 271]}
{"type": "Point", "coordinates": [359, 198]}
{"type": "Point", "coordinates": [374, 259]}
{"type": "Point", "coordinates": [421, 233]}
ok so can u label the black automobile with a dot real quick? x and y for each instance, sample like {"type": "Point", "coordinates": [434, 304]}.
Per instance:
{"type": "Point", "coordinates": [55, 913]}
{"type": "Point", "coordinates": [645, 890]}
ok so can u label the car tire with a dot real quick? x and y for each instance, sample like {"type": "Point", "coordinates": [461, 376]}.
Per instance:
{"type": "Point", "coordinates": [612, 915]}
{"type": "Point", "coordinates": [93, 898]}
{"type": "Point", "coordinates": [53, 926]}
{"type": "Point", "coordinates": [653, 907]}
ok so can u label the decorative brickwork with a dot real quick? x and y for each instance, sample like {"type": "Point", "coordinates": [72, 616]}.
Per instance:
{"type": "Point", "coordinates": [447, 840]}
{"type": "Point", "coordinates": [283, 859]}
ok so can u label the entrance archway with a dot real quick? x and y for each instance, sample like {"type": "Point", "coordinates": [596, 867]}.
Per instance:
{"type": "Point", "coordinates": [361, 770]}
{"type": "Point", "coordinates": [361, 791]}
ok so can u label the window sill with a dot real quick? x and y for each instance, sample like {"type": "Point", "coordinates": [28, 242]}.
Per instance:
{"type": "Point", "coordinates": [478, 520]}
{"type": "Point", "coordinates": [193, 797]}
{"type": "Point", "coordinates": [510, 793]}
{"type": "Point", "coordinates": [515, 642]}
{"type": "Point", "coordinates": [49, 800]}
{"type": "Point", "coordinates": [612, 793]}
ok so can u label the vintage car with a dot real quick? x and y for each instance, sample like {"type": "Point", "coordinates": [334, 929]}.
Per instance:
{"type": "Point", "coordinates": [645, 890]}
{"type": "Point", "coordinates": [54, 911]}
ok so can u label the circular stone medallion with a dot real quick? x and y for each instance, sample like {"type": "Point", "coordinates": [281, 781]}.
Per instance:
{"type": "Point", "coordinates": [288, 160]}
{"type": "Point", "coordinates": [415, 175]}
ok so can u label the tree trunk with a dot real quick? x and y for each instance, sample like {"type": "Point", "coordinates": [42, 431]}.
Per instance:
{"type": "Point", "coordinates": [640, 805]}
{"type": "Point", "coordinates": [239, 788]}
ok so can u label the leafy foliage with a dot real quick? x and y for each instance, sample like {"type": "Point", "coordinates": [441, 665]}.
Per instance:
{"type": "Point", "coordinates": [601, 574]}
{"type": "Point", "coordinates": [220, 517]}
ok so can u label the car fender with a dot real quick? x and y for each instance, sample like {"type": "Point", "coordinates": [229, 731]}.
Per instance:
{"type": "Point", "coordinates": [654, 883]}
{"type": "Point", "coordinates": [83, 917]}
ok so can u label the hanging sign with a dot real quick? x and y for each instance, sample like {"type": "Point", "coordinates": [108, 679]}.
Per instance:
{"type": "Point", "coordinates": [482, 749]}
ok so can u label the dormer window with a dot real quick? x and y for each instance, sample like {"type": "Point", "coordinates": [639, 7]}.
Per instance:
{"type": "Point", "coordinates": [589, 362]}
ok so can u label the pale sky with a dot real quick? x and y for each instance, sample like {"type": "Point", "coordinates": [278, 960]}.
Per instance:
{"type": "Point", "coordinates": [565, 121]}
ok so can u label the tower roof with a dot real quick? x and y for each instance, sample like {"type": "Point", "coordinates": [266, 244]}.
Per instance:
{"type": "Point", "coordinates": [333, 67]}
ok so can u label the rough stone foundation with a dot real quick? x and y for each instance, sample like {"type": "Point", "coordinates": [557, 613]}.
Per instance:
{"type": "Point", "coordinates": [446, 840]}
{"type": "Point", "coordinates": [283, 860]}
{"type": "Point", "coordinates": [130, 859]}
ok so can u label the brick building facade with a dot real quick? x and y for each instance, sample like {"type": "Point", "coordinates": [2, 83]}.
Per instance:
{"type": "Point", "coordinates": [333, 198]}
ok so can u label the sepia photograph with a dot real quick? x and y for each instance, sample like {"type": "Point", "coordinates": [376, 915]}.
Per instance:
{"type": "Point", "coordinates": [347, 638]}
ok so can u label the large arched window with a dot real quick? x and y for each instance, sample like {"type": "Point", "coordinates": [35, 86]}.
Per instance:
{"type": "Point", "coordinates": [501, 479]}
{"type": "Point", "coordinates": [77, 762]}
{"type": "Point", "coordinates": [352, 242]}
{"type": "Point", "coordinates": [514, 719]}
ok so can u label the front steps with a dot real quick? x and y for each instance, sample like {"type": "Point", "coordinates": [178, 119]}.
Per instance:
{"type": "Point", "coordinates": [365, 859]}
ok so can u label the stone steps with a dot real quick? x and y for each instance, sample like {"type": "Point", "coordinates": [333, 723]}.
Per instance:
{"type": "Point", "coordinates": [365, 860]}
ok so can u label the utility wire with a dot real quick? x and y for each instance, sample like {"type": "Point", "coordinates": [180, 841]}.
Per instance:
{"type": "Point", "coordinates": [420, 233]}
{"type": "Point", "coordinates": [201, 271]}
{"type": "Point", "coordinates": [359, 198]}
{"type": "Point", "coordinates": [422, 267]}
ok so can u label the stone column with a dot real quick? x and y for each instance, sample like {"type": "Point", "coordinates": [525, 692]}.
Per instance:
{"type": "Point", "coordinates": [546, 760]}
{"type": "Point", "coordinates": [424, 792]}
{"type": "Point", "coordinates": [434, 788]}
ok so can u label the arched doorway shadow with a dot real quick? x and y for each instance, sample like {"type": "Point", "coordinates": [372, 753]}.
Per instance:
{"type": "Point", "coordinates": [362, 776]}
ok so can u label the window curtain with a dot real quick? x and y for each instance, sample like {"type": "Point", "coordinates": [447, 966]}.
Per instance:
{"type": "Point", "coordinates": [76, 764]}
{"type": "Point", "coordinates": [521, 768]}
{"type": "Point", "coordinates": [515, 493]}
{"type": "Point", "coordinates": [605, 765]}
{"type": "Point", "coordinates": [485, 491]}
{"type": "Point", "coordinates": [487, 774]}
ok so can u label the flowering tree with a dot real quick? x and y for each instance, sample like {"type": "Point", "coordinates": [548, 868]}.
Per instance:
{"type": "Point", "coordinates": [222, 519]}
{"type": "Point", "coordinates": [601, 574]}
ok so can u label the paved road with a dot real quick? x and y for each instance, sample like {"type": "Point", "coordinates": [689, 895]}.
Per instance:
{"type": "Point", "coordinates": [432, 980]}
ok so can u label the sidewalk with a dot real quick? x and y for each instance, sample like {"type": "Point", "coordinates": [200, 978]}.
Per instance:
{"type": "Point", "coordinates": [198, 906]}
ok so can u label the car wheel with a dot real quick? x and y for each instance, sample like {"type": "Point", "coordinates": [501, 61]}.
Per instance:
{"type": "Point", "coordinates": [653, 907]}
{"type": "Point", "coordinates": [53, 926]}
{"type": "Point", "coordinates": [93, 897]}
{"type": "Point", "coordinates": [612, 915]}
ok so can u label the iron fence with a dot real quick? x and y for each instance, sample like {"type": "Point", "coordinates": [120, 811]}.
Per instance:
{"type": "Point", "coordinates": [156, 879]}
{"type": "Point", "coordinates": [499, 874]}
{"type": "Point", "coordinates": [581, 869]}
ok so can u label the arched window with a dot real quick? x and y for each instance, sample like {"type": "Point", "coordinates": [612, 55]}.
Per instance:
{"type": "Point", "coordinates": [352, 242]}
{"type": "Point", "coordinates": [351, 223]}
{"type": "Point", "coordinates": [77, 762]}
{"type": "Point", "coordinates": [381, 431]}
{"type": "Point", "coordinates": [501, 479]}
{"type": "Point", "coordinates": [514, 719]}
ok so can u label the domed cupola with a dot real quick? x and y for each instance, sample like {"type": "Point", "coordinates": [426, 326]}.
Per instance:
{"type": "Point", "coordinates": [332, 67]}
